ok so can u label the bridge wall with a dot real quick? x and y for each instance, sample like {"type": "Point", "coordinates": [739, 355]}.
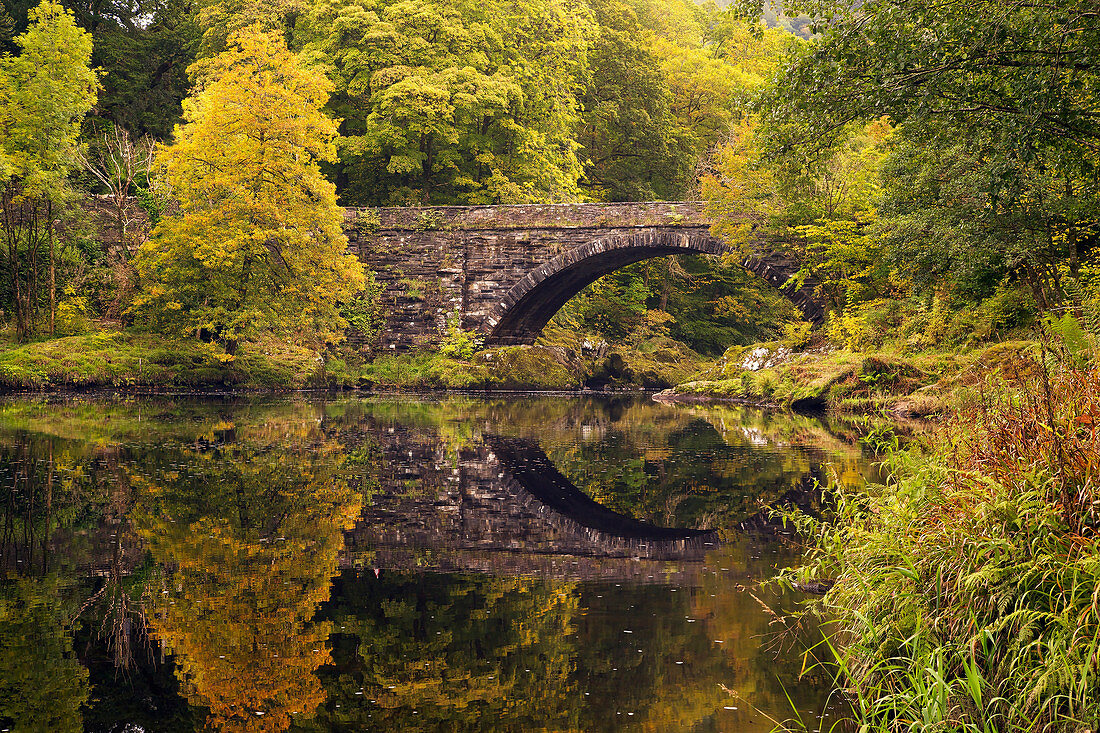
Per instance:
{"type": "Point", "coordinates": [436, 264]}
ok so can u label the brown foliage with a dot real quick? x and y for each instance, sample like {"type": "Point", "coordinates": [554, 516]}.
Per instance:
{"type": "Point", "coordinates": [1045, 430]}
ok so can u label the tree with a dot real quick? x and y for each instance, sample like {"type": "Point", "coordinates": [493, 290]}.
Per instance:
{"type": "Point", "coordinates": [628, 132]}
{"type": "Point", "coordinates": [452, 101]}
{"type": "Point", "coordinates": [120, 165]}
{"type": "Point", "coordinates": [45, 92]}
{"type": "Point", "coordinates": [999, 96]}
{"type": "Point", "coordinates": [1029, 70]}
{"type": "Point", "coordinates": [257, 243]}
{"type": "Point", "coordinates": [144, 48]}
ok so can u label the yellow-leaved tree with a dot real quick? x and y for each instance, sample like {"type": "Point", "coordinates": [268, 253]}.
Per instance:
{"type": "Point", "coordinates": [256, 244]}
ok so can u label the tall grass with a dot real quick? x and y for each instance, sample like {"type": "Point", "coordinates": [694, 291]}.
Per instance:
{"type": "Point", "coordinates": [967, 587]}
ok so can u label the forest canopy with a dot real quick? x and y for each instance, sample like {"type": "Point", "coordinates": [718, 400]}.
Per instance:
{"type": "Point", "coordinates": [898, 151]}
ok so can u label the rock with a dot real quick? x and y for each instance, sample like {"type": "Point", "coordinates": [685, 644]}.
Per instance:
{"type": "Point", "coordinates": [765, 357]}
{"type": "Point", "coordinates": [815, 587]}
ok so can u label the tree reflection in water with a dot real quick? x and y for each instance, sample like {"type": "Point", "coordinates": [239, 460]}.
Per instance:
{"type": "Point", "coordinates": [221, 525]}
{"type": "Point", "coordinates": [435, 652]}
{"type": "Point", "coordinates": [42, 684]}
{"type": "Point", "coordinates": [251, 528]}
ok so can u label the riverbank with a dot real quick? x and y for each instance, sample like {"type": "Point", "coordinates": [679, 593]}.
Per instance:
{"type": "Point", "coordinates": [119, 359]}
{"type": "Point", "coordinates": [963, 589]}
{"type": "Point", "coordinates": [906, 384]}
{"type": "Point", "coordinates": [770, 375]}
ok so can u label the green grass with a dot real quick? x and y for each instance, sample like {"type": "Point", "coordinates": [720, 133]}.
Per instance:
{"type": "Point", "coordinates": [112, 358]}
{"type": "Point", "coordinates": [121, 359]}
{"type": "Point", "coordinates": [965, 589]}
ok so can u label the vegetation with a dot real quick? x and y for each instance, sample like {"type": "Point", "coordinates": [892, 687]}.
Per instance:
{"type": "Point", "coordinates": [963, 588]}
{"type": "Point", "coordinates": [169, 183]}
{"type": "Point", "coordinates": [915, 185]}
{"type": "Point", "coordinates": [46, 91]}
{"type": "Point", "coordinates": [256, 245]}
{"type": "Point", "coordinates": [224, 228]}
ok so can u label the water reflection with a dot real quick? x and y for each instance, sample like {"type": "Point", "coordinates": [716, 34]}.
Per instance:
{"type": "Point", "coordinates": [390, 564]}
{"type": "Point", "coordinates": [42, 685]}
{"type": "Point", "coordinates": [251, 526]}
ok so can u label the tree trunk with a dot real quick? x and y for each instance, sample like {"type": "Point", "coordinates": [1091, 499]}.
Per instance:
{"type": "Point", "coordinates": [53, 267]}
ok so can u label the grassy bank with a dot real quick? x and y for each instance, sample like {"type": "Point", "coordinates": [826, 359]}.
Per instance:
{"type": "Point", "coordinates": [965, 589]}
{"type": "Point", "coordinates": [113, 358]}
{"type": "Point", "coordinates": [910, 384]}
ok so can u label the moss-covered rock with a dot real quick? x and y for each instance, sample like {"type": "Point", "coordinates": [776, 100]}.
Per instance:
{"type": "Point", "coordinates": [529, 367]}
{"type": "Point", "coordinates": [654, 364]}
{"type": "Point", "coordinates": [818, 379]}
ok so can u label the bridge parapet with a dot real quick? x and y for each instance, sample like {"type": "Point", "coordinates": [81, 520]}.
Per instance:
{"type": "Point", "coordinates": [674, 214]}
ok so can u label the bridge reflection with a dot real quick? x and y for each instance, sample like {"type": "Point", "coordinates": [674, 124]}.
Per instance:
{"type": "Point", "coordinates": [502, 505]}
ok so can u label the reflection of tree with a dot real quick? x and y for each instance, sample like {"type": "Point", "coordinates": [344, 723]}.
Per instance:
{"type": "Point", "coordinates": [687, 474]}
{"type": "Point", "coordinates": [42, 684]}
{"type": "Point", "coordinates": [457, 653]}
{"type": "Point", "coordinates": [763, 656]}
{"type": "Point", "coordinates": [253, 531]}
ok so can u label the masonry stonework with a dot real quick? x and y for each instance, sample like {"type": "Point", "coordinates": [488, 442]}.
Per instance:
{"type": "Point", "coordinates": [503, 271]}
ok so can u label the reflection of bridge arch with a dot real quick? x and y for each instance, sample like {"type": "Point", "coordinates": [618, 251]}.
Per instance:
{"type": "Point", "coordinates": [530, 472]}
{"type": "Point", "coordinates": [501, 506]}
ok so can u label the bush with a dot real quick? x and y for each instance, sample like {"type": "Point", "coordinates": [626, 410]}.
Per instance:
{"type": "Point", "coordinates": [71, 318]}
{"type": "Point", "coordinates": [965, 588]}
{"type": "Point", "coordinates": [796, 335]}
{"type": "Point", "coordinates": [364, 313]}
{"type": "Point", "coordinates": [864, 325]}
{"type": "Point", "coordinates": [459, 344]}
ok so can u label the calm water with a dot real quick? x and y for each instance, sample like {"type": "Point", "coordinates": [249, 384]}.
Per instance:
{"type": "Point", "coordinates": [512, 564]}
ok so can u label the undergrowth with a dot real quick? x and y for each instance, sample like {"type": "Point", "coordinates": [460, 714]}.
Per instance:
{"type": "Point", "coordinates": [966, 589]}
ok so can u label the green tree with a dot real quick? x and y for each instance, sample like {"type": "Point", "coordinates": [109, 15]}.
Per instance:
{"type": "Point", "coordinates": [257, 243]}
{"type": "Point", "coordinates": [822, 210]}
{"type": "Point", "coordinates": [45, 91]}
{"type": "Point", "coordinates": [144, 49]}
{"type": "Point", "coordinates": [451, 101]}
{"type": "Point", "coordinates": [998, 139]}
{"type": "Point", "coordinates": [628, 132]}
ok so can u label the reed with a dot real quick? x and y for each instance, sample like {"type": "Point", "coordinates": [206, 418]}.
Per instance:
{"type": "Point", "coordinates": [967, 586]}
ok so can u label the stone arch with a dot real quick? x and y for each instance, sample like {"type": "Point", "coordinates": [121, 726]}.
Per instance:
{"type": "Point", "coordinates": [530, 304]}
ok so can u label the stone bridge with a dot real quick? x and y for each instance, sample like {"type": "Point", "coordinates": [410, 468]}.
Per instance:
{"type": "Point", "coordinates": [504, 271]}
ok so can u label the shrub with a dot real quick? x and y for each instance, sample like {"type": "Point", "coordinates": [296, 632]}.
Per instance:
{"type": "Point", "coordinates": [965, 587]}
{"type": "Point", "coordinates": [459, 344]}
{"type": "Point", "coordinates": [71, 318]}
{"type": "Point", "coordinates": [796, 334]}
{"type": "Point", "coordinates": [364, 312]}
{"type": "Point", "coordinates": [864, 325]}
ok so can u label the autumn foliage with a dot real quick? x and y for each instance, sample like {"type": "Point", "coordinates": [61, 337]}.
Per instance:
{"type": "Point", "coordinates": [256, 244]}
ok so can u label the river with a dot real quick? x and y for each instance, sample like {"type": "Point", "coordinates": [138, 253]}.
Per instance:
{"type": "Point", "coordinates": [403, 564]}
